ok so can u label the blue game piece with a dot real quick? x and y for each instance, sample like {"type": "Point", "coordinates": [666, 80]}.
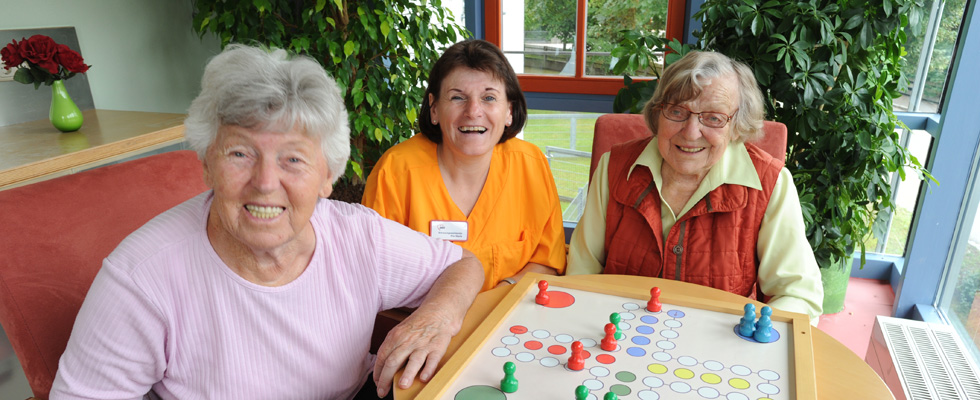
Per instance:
{"type": "Point", "coordinates": [746, 326]}
{"type": "Point", "coordinates": [767, 311]}
{"type": "Point", "coordinates": [762, 329]}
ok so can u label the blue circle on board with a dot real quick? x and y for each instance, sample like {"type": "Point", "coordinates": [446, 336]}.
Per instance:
{"type": "Point", "coordinates": [676, 313]}
{"type": "Point", "coordinates": [773, 336]}
{"type": "Point", "coordinates": [636, 352]}
{"type": "Point", "coordinates": [649, 319]}
{"type": "Point", "coordinates": [645, 330]}
{"type": "Point", "coordinates": [640, 340]}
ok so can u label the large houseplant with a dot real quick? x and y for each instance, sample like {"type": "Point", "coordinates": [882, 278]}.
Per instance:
{"type": "Point", "coordinates": [380, 53]}
{"type": "Point", "coordinates": [829, 70]}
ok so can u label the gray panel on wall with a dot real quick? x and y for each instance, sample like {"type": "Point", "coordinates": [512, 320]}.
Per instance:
{"type": "Point", "coordinates": [22, 103]}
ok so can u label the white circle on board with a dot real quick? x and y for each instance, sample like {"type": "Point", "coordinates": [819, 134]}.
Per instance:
{"type": "Point", "coordinates": [510, 340]}
{"type": "Point", "coordinates": [769, 375]}
{"type": "Point", "coordinates": [500, 352]}
{"type": "Point", "coordinates": [768, 388]}
{"type": "Point", "coordinates": [669, 334]}
{"type": "Point", "coordinates": [663, 344]}
{"type": "Point", "coordinates": [680, 387]}
{"type": "Point", "coordinates": [624, 326]}
{"type": "Point", "coordinates": [736, 396]}
{"type": "Point", "coordinates": [625, 316]}
{"type": "Point", "coordinates": [708, 393]}
{"type": "Point", "coordinates": [593, 384]}
{"type": "Point", "coordinates": [714, 365]}
{"type": "Point", "coordinates": [524, 357]}
{"type": "Point", "coordinates": [631, 306]}
{"type": "Point", "coordinates": [563, 338]}
{"type": "Point", "coordinates": [653, 381]}
{"type": "Point", "coordinates": [588, 342]}
{"type": "Point", "coordinates": [541, 334]}
{"type": "Point", "coordinates": [648, 395]}
{"type": "Point", "coordinates": [741, 370]}
{"type": "Point", "coordinates": [599, 371]}
{"type": "Point", "coordinates": [687, 361]}
{"type": "Point", "coordinates": [661, 356]}
{"type": "Point", "coordinates": [673, 323]}
{"type": "Point", "coordinates": [550, 362]}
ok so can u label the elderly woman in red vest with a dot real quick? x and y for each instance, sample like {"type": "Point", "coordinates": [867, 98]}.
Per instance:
{"type": "Point", "coordinates": [695, 202]}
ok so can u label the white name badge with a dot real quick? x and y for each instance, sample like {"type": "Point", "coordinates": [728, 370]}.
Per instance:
{"type": "Point", "coordinates": [456, 231]}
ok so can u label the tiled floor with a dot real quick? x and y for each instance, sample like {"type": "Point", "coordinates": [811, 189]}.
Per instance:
{"type": "Point", "coordinates": [865, 299]}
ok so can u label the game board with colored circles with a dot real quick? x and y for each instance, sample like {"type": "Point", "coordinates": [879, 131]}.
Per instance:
{"type": "Point", "coordinates": [690, 349]}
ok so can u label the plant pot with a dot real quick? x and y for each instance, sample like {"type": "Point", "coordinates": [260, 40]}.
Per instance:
{"type": "Point", "coordinates": [64, 114]}
{"type": "Point", "coordinates": [835, 278]}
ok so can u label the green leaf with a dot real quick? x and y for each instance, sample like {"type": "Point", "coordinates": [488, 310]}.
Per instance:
{"type": "Point", "coordinates": [349, 48]}
{"type": "Point", "coordinates": [340, 5]}
{"type": "Point", "coordinates": [320, 4]}
{"type": "Point", "coordinates": [385, 27]}
{"type": "Point", "coordinates": [378, 134]}
{"type": "Point", "coordinates": [23, 75]}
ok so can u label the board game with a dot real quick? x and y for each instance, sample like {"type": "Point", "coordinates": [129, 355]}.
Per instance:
{"type": "Point", "coordinates": [690, 349]}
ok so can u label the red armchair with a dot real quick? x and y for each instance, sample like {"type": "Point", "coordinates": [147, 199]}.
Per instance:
{"type": "Point", "coordinates": [54, 236]}
{"type": "Point", "coordinates": [617, 128]}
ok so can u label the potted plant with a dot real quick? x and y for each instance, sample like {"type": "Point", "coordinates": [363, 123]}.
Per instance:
{"type": "Point", "coordinates": [379, 53]}
{"type": "Point", "coordinates": [829, 70]}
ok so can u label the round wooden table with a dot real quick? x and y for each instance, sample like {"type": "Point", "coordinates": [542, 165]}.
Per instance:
{"type": "Point", "coordinates": [840, 373]}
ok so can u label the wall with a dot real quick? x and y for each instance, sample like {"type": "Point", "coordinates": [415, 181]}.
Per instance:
{"type": "Point", "coordinates": [144, 54]}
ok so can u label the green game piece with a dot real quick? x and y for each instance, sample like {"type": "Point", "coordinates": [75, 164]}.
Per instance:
{"type": "Point", "coordinates": [509, 383]}
{"type": "Point", "coordinates": [615, 318]}
{"type": "Point", "coordinates": [610, 396]}
{"type": "Point", "coordinates": [581, 392]}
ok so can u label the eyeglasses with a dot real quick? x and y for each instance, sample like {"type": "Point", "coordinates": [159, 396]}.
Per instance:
{"type": "Point", "coordinates": [679, 113]}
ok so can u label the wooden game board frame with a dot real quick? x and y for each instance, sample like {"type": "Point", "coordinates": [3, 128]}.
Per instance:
{"type": "Point", "coordinates": [803, 362]}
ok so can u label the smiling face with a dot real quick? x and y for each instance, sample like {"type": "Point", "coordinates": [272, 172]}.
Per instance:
{"type": "Point", "coordinates": [690, 149]}
{"type": "Point", "coordinates": [472, 112]}
{"type": "Point", "coordinates": [266, 185]}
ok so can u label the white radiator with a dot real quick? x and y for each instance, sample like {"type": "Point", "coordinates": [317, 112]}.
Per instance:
{"type": "Point", "coordinates": [919, 361]}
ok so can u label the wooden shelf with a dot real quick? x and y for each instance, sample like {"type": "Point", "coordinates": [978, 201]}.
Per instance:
{"type": "Point", "coordinates": [35, 150]}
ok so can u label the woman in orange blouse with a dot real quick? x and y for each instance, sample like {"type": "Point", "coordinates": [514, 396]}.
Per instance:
{"type": "Point", "coordinates": [466, 178]}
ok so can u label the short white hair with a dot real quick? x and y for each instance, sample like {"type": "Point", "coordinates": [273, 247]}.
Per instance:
{"type": "Point", "coordinates": [257, 88]}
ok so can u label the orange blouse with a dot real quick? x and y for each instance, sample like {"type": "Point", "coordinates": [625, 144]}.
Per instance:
{"type": "Point", "coordinates": [516, 219]}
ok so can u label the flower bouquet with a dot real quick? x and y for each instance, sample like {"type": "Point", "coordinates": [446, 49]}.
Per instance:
{"type": "Point", "coordinates": [40, 59]}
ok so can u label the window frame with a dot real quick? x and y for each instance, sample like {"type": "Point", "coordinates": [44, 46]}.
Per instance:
{"type": "Point", "coordinates": [579, 83]}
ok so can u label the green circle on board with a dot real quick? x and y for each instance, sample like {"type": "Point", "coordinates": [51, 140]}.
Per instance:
{"type": "Point", "coordinates": [626, 376]}
{"type": "Point", "coordinates": [620, 390]}
{"type": "Point", "coordinates": [480, 393]}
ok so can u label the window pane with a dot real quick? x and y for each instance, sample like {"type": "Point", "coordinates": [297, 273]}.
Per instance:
{"type": "Point", "coordinates": [566, 138]}
{"type": "Point", "coordinates": [906, 195]}
{"type": "Point", "coordinates": [605, 20]}
{"type": "Point", "coordinates": [925, 69]}
{"type": "Point", "coordinates": [539, 36]}
{"type": "Point", "coordinates": [457, 8]}
{"type": "Point", "coordinates": [962, 307]}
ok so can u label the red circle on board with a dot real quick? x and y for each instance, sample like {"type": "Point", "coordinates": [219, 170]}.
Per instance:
{"type": "Point", "coordinates": [533, 345]}
{"type": "Point", "coordinates": [518, 329]}
{"type": "Point", "coordinates": [605, 358]}
{"type": "Point", "coordinates": [556, 349]}
{"type": "Point", "coordinates": [559, 299]}
{"type": "Point", "coordinates": [586, 354]}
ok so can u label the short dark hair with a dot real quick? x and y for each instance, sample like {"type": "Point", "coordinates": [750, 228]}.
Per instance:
{"type": "Point", "coordinates": [480, 55]}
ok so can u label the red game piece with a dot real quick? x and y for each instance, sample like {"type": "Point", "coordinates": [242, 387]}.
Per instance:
{"type": "Point", "coordinates": [542, 298]}
{"type": "Point", "coordinates": [654, 304]}
{"type": "Point", "coordinates": [576, 362]}
{"type": "Point", "coordinates": [609, 342]}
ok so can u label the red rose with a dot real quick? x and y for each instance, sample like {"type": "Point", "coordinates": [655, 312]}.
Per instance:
{"type": "Point", "coordinates": [11, 55]}
{"type": "Point", "coordinates": [71, 60]}
{"type": "Point", "coordinates": [40, 50]}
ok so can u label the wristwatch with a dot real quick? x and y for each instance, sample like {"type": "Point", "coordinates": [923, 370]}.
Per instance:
{"type": "Point", "coordinates": [510, 281]}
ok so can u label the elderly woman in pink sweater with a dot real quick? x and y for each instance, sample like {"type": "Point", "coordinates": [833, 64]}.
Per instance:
{"type": "Point", "coordinates": [261, 288]}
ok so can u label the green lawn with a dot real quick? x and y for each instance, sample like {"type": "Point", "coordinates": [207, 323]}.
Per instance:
{"type": "Point", "coordinates": [571, 173]}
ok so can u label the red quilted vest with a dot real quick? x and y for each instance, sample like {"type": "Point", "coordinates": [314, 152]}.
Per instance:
{"type": "Point", "coordinates": [714, 244]}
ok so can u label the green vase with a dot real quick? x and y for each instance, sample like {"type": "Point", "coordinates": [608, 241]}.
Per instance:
{"type": "Point", "coordinates": [64, 114]}
{"type": "Point", "coordinates": [835, 279]}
